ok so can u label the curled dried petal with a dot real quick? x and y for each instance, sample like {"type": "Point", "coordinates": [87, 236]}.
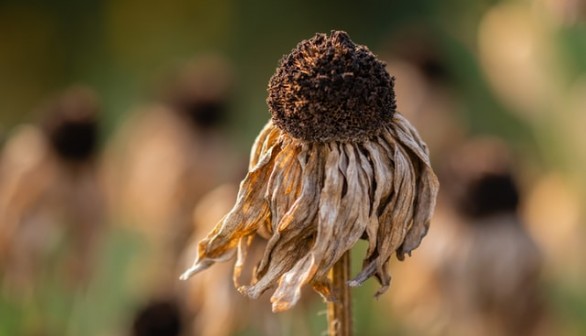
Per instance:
{"type": "Point", "coordinates": [316, 199]}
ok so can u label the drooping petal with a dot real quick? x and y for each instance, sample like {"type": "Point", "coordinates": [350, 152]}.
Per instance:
{"type": "Point", "coordinates": [296, 230]}
{"type": "Point", "coordinates": [284, 184]}
{"type": "Point", "coordinates": [343, 216]}
{"type": "Point", "coordinates": [427, 185]}
{"type": "Point", "coordinates": [250, 211]}
{"type": "Point", "coordinates": [242, 252]}
{"type": "Point", "coordinates": [313, 201]}
{"type": "Point", "coordinates": [396, 176]}
{"type": "Point", "coordinates": [265, 138]}
{"type": "Point", "coordinates": [382, 183]}
{"type": "Point", "coordinates": [403, 131]}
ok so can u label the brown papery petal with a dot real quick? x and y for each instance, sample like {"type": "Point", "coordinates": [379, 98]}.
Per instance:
{"type": "Point", "coordinates": [427, 185]}
{"type": "Point", "coordinates": [382, 183]}
{"type": "Point", "coordinates": [314, 200]}
{"type": "Point", "coordinates": [250, 211]}
{"type": "Point", "coordinates": [405, 198]}
{"type": "Point", "coordinates": [284, 183]}
{"type": "Point", "coordinates": [266, 136]}
{"type": "Point", "coordinates": [395, 212]}
{"type": "Point", "coordinates": [296, 231]}
{"type": "Point", "coordinates": [343, 216]}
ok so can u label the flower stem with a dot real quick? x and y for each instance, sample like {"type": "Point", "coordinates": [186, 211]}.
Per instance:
{"type": "Point", "coordinates": [340, 310]}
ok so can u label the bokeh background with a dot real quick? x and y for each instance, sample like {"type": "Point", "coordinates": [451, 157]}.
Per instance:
{"type": "Point", "coordinates": [125, 127]}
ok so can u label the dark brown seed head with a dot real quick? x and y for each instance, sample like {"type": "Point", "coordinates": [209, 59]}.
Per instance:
{"type": "Point", "coordinates": [490, 194]}
{"type": "Point", "coordinates": [71, 124]}
{"type": "Point", "coordinates": [330, 89]}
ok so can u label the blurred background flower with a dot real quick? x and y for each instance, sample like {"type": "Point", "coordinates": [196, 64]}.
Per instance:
{"type": "Point", "coordinates": [92, 244]}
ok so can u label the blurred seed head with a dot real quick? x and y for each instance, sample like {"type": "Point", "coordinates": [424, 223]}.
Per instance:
{"type": "Point", "coordinates": [418, 44]}
{"type": "Point", "coordinates": [158, 318]}
{"type": "Point", "coordinates": [489, 195]}
{"type": "Point", "coordinates": [72, 126]}
{"type": "Point", "coordinates": [201, 90]}
{"type": "Point", "coordinates": [482, 179]}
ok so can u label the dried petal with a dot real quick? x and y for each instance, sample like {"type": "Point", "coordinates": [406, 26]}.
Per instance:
{"type": "Point", "coordinates": [250, 211]}
{"type": "Point", "coordinates": [315, 200]}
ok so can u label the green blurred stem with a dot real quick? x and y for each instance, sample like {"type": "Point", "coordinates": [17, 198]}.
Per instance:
{"type": "Point", "coordinates": [340, 310]}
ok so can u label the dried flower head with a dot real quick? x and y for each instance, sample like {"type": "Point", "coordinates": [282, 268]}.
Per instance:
{"type": "Point", "coordinates": [335, 164]}
{"type": "Point", "coordinates": [72, 126]}
{"type": "Point", "coordinates": [481, 294]}
{"type": "Point", "coordinates": [51, 197]}
{"type": "Point", "coordinates": [200, 91]}
{"type": "Point", "coordinates": [330, 89]}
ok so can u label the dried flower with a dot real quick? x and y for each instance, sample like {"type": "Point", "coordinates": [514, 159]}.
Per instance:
{"type": "Point", "coordinates": [72, 125]}
{"type": "Point", "coordinates": [481, 270]}
{"type": "Point", "coordinates": [167, 155]}
{"type": "Point", "coordinates": [51, 198]}
{"type": "Point", "coordinates": [335, 163]}
{"type": "Point", "coordinates": [208, 315]}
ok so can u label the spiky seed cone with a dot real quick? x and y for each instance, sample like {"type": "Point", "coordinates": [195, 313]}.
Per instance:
{"type": "Point", "coordinates": [330, 89]}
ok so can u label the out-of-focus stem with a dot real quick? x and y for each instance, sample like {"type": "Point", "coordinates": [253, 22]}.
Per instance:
{"type": "Point", "coordinates": [340, 310]}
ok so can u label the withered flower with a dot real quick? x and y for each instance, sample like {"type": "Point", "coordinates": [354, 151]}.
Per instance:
{"type": "Point", "coordinates": [51, 198]}
{"type": "Point", "coordinates": [166, 156]}
{"type": "Point", "coordinates": [335, 163]}
{"type": "Point", "coordinates": [482, 294]}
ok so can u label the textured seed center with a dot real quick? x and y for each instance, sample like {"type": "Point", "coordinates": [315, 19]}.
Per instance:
{"type": "Point", "coordinates": [330, 89]}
